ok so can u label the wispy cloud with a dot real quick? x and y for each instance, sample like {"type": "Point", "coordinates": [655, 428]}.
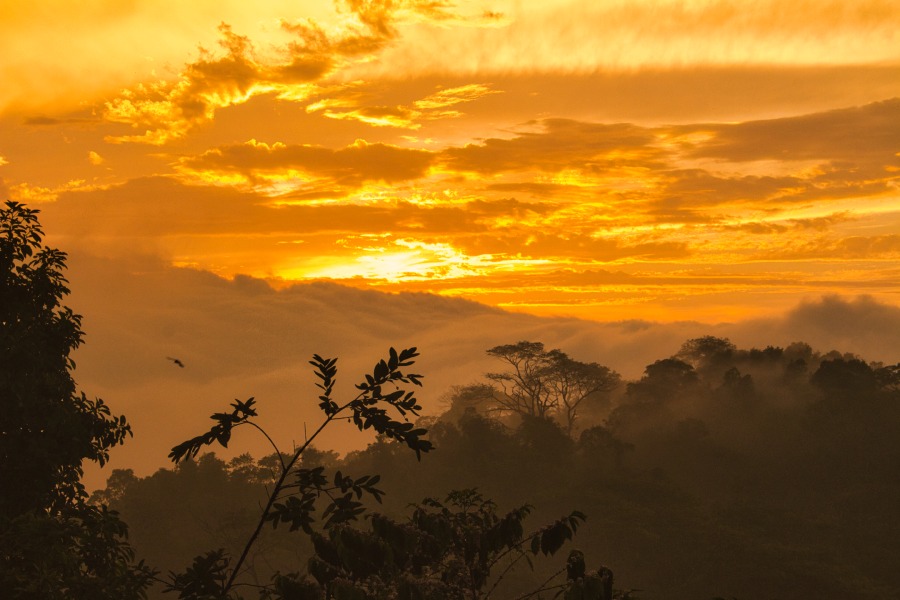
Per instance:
{"type": "Point", "coordinates": [167, 110]}
{"type": "Point", "coordinates": [351, 104]}
{"type": "Point", "coordinates": [346, 167]}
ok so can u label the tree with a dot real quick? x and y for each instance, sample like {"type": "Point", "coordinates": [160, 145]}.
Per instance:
{"type": "Point", "coordinates": [547, 383]}
{"type": "Point", "coordinates": [462, 399]}
{"type": "Point", "coordinates": [706, 351]}
{"type": "Point", "coordinates": [845, 379]}
{"type": "Point", "coordinates": [53, 544]}
{"type": "Point", "coordinates": [524, 384]}
{"type": "Point", "coordinates": [664, 379]}
{"type": "Point", "coordinates": [571, 382]}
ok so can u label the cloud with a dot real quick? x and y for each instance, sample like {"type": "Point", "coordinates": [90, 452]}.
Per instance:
{"type": "Point", "coordinates": [673, 173]}
{"type": "Point", "coordinates": [859, 325]}
{"type": "Point", "coordinates": [702, 188]}
{"type": "Point", "coordinates": [587, 36]}
{"type": "Point", "coordinates": [861, 134]}
{"type": "Point", "coordinates": [876, 247]}
{"type": "Point", "coordinates": [167, 110]}
{"type": "Point", "coordinates": [209, 211]}
{"type": "Point", "coordinates": [560, 144]}
{"type": "Point", "coordinates": [566, 246]}
{"type": "Point", "coordinates": [784, 225]}
{"type": "Point", "coordinates": [350, 166]}
{"type": "Point", "coordinates": [350, 103]}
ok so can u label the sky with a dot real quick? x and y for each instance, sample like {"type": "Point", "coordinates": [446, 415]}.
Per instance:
{"type": "Point", "coordinates": [666, 160]}
{"type": "Point", "coordinates": [243, 184]}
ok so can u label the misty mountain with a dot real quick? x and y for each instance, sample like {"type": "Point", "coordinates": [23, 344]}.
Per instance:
{"type": "Point", "coordinates": [242, 338]}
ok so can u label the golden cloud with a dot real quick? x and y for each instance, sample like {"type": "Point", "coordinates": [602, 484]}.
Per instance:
{"type": "Point", "coordinates": [586, 36]}
{"type": "Point", "coordinates": [350, 104]}
{"type": "Point", "coordinates": [350, 166]}
{"type": "Point", "coordinates": [874, 248]}
{"type": "Point", "coordinates": [166, 110]}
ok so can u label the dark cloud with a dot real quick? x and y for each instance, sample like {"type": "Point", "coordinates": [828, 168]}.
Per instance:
{"type": "Point", "coordinates": [860, 134]}
{"type": "Point", "coordinates": [677, 209]}
{"type": "Point", "coordinates": [704, 188]}
{"type": "Point", "coordinates": [352, 165]}
{"type": "Point", "coordinates": [876, 247]}
{"type": "Point", "coordinates": [535, 189]}
{"type": "Point", "coordinates": [860, 325]}
{"type": "Point", "coordinates": [562, 144]}
{"type": "Point", "coordinates": [776, 227]}
{"type": "Point", "coordinates": [185, 210]}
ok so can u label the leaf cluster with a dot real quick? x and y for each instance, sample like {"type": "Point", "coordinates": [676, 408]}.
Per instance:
{"type": "Point", "coordinates": [343, 492]}
{"type": "Point", "coordinates": [220, 432]}
{"type": "Point", "coordinates": [370, 409]}
{"type": "Point", "coordinates": [204, 579]}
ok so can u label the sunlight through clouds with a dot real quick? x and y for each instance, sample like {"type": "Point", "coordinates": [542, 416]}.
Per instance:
{"type": "Point", "coordinates": [565, 157]}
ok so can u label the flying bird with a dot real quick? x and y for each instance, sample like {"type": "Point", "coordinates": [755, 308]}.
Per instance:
{"type": "Point", "coordinates": [176, 361]}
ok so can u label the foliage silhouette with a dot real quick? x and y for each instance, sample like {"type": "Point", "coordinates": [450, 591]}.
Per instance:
{"type": "Point", "coordinates": [446, 550]}
{"type": "Point", "coordinates": [767, 478]}
{"type": "Point", "coordinates": [52, 543]}
{"type": "Point", "coordinates": [297, 491]}
{"type": "Point", "coordinates": [546, 383]}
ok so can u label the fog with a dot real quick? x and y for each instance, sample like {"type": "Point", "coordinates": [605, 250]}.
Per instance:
{"type": "Point", "coordinates": [241, 338]}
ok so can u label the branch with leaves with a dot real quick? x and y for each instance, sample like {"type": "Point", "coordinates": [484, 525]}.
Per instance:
{"type": "Point", "coordinates": [381, 404]}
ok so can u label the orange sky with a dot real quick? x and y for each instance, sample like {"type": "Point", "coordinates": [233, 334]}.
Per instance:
{"type": "Point", "coordinates": [667, 160]}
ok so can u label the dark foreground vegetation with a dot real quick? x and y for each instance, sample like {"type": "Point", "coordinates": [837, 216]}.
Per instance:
{"type": "Point", "coordinates": [766, 473]}
{"type": "Point", "coordinates": [721, 472]}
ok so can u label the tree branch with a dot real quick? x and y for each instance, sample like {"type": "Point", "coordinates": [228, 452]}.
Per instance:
{"type": "Point", "coordinates": [277, 490]}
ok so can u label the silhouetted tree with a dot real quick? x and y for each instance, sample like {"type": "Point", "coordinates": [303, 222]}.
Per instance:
{"type": "Point", "coordinates": [602, 450]}
{"type": "Point", "coordinates": [478, 397]}
{"type": "Point", "coordinates": [524, 384]}
{"type": "Point", "coordinates": [736, 385]}
{"type": "Point", "coordinates": [706, 351]}
{"type": "Point", "coordinates": [547, 383]}
{"type": "Point", "coordinates": [663, 379]}
{"type": "Point", "coordinates": [572, 382]}
{"type": "Point", "coordinates": [53, 544]}
{"type": "Point", "coordinates": [845, 379]}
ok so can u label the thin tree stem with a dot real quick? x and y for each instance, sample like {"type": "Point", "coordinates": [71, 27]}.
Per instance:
{"type": "Point", "coordinates": [271, 441]}
{"type": "Point", "coordinates": [274, 495]}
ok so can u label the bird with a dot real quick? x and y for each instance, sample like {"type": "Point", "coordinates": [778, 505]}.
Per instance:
{"type": "Point", "coordinates": [176, 361]}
